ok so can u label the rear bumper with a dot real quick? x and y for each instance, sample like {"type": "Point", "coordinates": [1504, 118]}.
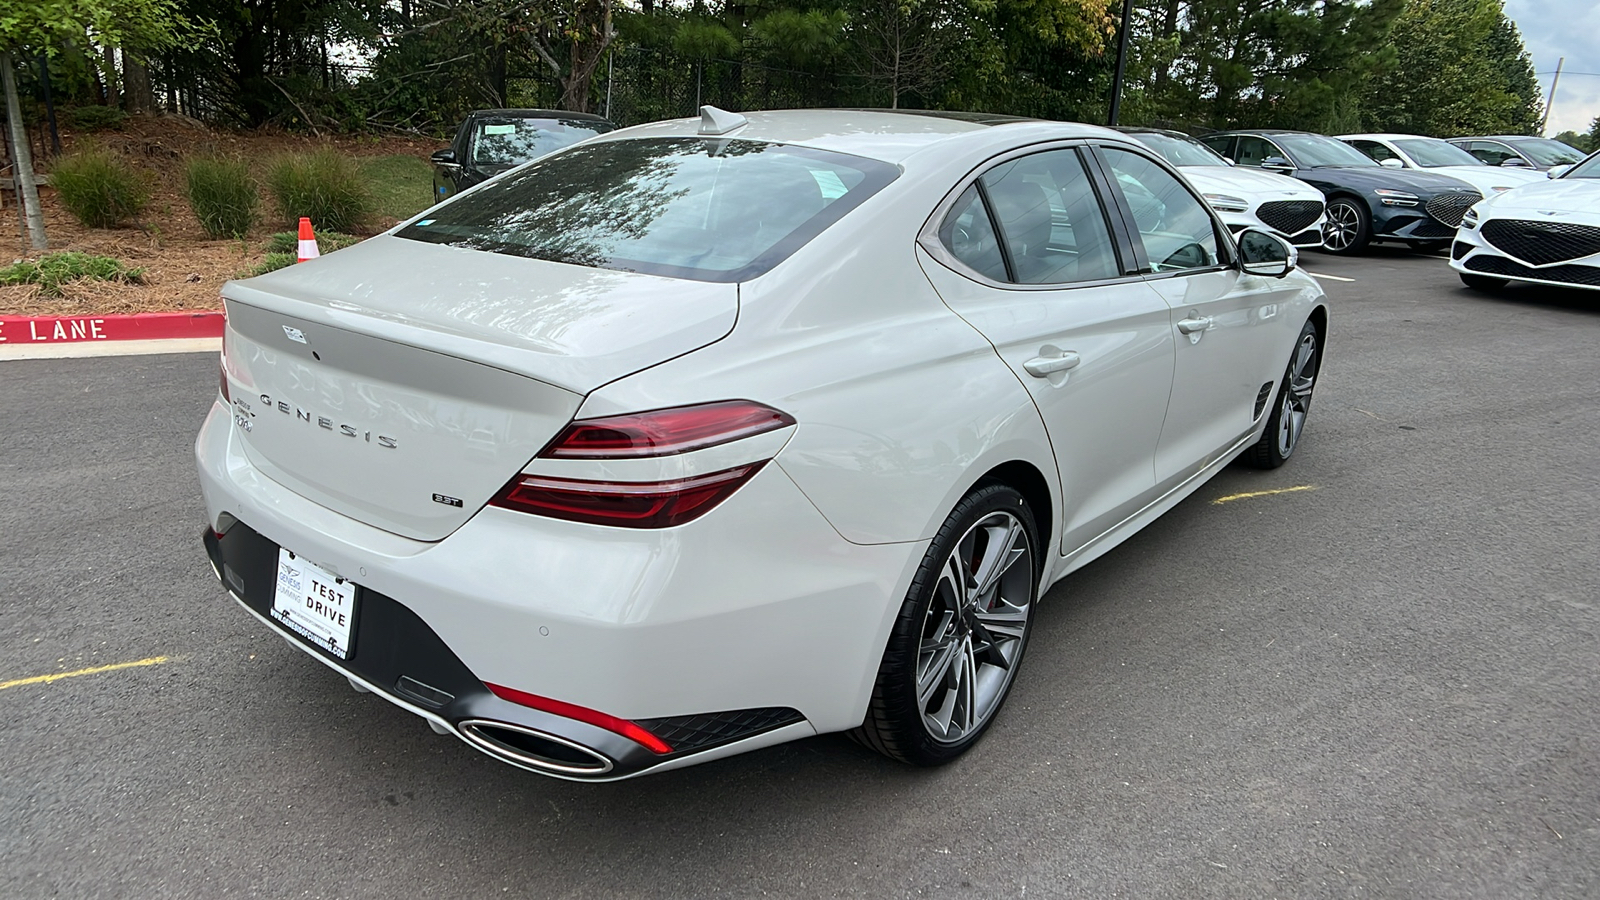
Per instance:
{"type": "Point", "coordinates": [758, 614]}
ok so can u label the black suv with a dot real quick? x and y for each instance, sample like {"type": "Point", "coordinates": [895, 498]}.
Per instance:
{"type": "Point", "coordinates": [1366, 202]}
{"type": "Point", "coordinates": [491, 141]}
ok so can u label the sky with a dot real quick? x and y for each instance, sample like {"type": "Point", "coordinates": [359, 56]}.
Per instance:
{"type": "Point", "coordinates": [1570, 28]}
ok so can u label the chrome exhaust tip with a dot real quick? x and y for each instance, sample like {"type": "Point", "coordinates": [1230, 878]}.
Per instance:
{"type": "Point", "coordinates": [533, 749]}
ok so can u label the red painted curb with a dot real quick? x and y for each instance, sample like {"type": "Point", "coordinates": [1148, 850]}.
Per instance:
{"type": "Point", "coordinates": [15, 330]}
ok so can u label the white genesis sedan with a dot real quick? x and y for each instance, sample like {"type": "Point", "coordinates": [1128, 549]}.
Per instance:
{"type": "Point", "coordinates": [1543, 233]}
{"type": "Point", "coordinates": [1412, 151]}
{"type": "Point", "coordinates": [1243, 196]}
{"type": "Point", "coordinates": [705, 435]}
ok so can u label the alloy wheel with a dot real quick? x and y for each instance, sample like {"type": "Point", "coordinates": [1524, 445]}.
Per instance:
{"type": "Point", "coordinates": [975, 628]}
{"type": "Point", "coordinates": [1297, 395]}
{"type": "Point", "coordinates": [1343, 225]}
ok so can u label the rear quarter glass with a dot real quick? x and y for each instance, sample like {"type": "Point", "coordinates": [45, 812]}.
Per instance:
{"type": "Point", "coordinates": [707, 210]}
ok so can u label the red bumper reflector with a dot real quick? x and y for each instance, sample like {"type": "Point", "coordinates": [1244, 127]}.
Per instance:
{"type": "Point", "coordinates": [583, 714]}
{"type": "Point", "coordinates": [626, 504]}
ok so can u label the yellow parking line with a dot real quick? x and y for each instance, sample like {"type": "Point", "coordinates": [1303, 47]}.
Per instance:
{"type": "Point", "coordinates": [1247, 495]}
{"type": "Point", "coordinates": [96, 670]}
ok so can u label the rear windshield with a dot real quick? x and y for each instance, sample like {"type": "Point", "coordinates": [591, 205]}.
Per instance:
{"type": "Point", "coordinates": [697, 208]}
{"type": "Point", "coordinates": [510, 141]}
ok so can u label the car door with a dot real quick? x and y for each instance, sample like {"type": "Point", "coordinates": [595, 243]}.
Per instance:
{"type": "Point", "coordinates": [1222, 144]}
{"type": "Point", "coordinates": [1254, 150]}
{"type": "Point", "coordinates": [447, 178]}
{"type": "Point", "coordinates": [1377, 151]}
{"type": "Point", "coordinates": [1025, 253]}
{"type": "Point", "coordinates": [1224, 322]}
{"type": "Point", "coordinates": [1493, 152]}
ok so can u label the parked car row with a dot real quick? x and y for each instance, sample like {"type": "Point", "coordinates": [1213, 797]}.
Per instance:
{"type": "Point", "coordinates": [1338, 194]}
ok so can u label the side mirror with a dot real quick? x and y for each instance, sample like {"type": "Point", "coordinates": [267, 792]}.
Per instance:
{"type": "Point", "coordinates": [1515, 162]}
{"type": "Point", "coordinates": [1558, 171]}
{"type": "Point", "coordinates": [1266, 254]}
{"type": "Point", "coordinates": [1391, 163]}
{"type": "Point", "coordinates": [445, 158]}
{"type": "Point", "coordinates": [1278, 163]}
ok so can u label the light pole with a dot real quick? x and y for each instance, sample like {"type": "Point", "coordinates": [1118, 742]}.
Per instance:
{"type": "Point", "coordinates": [1122, 62]}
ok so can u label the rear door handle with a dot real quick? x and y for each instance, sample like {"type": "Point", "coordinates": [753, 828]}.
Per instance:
{"type": "Point", "coordinates": [1045, 366]}
{"type": "Point", "coordinates": [1194, 325]}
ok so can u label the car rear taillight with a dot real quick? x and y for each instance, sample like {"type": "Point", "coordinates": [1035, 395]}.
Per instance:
{"type": "Point", "coordinates": [625, 504]}
{"type": "Point", "coordinates": [630, 730]}
{"type": "Point", "coordinates": [665, 432]}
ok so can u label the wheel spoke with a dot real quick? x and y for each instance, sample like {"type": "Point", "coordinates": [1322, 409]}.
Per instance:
{"type": "Point", "coordinates": [999, 555]}
{"type": "Point", "coordinates": [1302, 359]}
{"type": "Point", "coordinates": [966, 689]}
{"type": "Point", "coordinates": [1008, 622]}
{"type": "Point", "coordinates": [936, 673]}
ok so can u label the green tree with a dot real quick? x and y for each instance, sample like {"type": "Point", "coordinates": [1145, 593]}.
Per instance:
{"type": "Point", "coordinates": [46, 26]}
{"type": "Point", "coordinates": [1464, 71]}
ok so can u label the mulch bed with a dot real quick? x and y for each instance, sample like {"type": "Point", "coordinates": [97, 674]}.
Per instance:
{"type": "Point", "coordinates": [184, 267]}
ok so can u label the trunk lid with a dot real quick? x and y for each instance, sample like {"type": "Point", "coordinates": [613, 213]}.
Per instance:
{"type": "Point", "coordinates": [403, 383]}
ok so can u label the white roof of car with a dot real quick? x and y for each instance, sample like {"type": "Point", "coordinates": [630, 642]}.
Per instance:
{"type": "Point", "coordinates": [1382, 137]}
{"type": "Point", "coordinates": [888, 135]}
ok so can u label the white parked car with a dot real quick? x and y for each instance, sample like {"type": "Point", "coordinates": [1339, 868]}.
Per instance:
{"type": "Point", "coordinates": [1411, 151]}
{"type": "Point", "coordinates": [1243, 197]}
{"type": "Point", "coordinates": [1544, 233]}
{"type": "Point", "coordinates": [710, 434]}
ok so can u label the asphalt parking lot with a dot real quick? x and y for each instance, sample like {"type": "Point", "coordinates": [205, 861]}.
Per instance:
{"type": "Point", "coordinates": [1371, 673]}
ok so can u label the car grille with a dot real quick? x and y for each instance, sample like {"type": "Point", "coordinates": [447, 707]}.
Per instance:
{"type": "Point", "coordinates": [1588, 276]}
{"type": "Point", "coordinates": [1542, 243]}
{"type": "Point", "coordinates": [1289, 216]}
{"type": "Point", "coordinates": [1460, 249]}
{"type": "Point", "coordinates": [1428, 228]}
{"type": "Point", "coordinates": [1450, 206]}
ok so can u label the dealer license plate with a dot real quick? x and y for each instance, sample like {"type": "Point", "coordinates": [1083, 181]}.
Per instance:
{"type": "Point", "coordinates": [315, 603]}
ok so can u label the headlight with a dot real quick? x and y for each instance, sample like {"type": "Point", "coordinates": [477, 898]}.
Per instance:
{"type": "Point", "coordinates": [1226, 202]}
{"type": "Point", "coordinates": [1470, 220]}
{"type": "Point", "coordinates": [1396, 198]}
{"type": "Point", "coordinates": [1497, 189]}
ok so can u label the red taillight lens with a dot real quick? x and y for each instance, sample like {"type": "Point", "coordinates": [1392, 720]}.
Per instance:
{"type": "Point", "coordinates": [627, 729]}
{"type": "Point", "coordinates": [664, 432]}
{"type": "Point", "coordinates": [627, 504]}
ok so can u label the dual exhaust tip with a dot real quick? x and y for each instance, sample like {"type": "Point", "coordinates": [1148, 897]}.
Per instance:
{"type": "Point", "coordinates": [533, 749]}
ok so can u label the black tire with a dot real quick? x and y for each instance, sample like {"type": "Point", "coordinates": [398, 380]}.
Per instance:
{"type": "Point", "coordinates": [1292, 403]}
{"type": "Point", "coordinates": [1482, 282]}
{"type": "Point", "coordinates": [1348, 228]}
{"type": "Point", "coordinates": [897, 723]}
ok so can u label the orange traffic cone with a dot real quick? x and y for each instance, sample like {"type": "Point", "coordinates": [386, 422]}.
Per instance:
{"type": "Point", "coordinates": [308, 241]}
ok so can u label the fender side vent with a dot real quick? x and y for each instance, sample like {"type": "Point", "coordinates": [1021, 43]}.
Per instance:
{"type": "Point", "coordinates": [1261, 399]}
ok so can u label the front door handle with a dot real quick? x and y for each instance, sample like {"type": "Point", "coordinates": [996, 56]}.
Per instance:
{"type": "Point", "coordinates": [1194, 325]}
{"type": "Point", "coordinates": [1045, 366]}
